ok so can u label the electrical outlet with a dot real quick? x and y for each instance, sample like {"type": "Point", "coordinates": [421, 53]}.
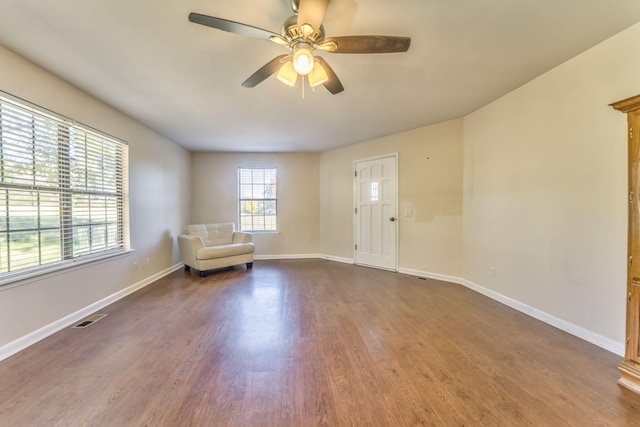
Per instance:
{"type": "Point", "coordinates": [492, 270]}
{"type": "Point", "coordinates": [135, 266]}
{"type": "Point", "coordinates": [148, 262]}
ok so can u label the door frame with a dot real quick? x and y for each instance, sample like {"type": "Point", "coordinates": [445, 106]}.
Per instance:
{"type": "Point", "coordinates": [393, 155]}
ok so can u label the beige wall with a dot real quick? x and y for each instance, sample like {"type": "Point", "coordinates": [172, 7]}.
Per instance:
{"type": "Point", "coordinates": [159, 197]}
{"type": "Point", "coordinates": [545, 189]}
{"type": "Point", "coordinates": [429, 182]}
{"type": "Point", "coordinates": [214, 183]}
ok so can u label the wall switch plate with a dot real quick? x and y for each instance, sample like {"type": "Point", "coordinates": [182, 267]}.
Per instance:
{"type": "Point", "coordinates": [408, 212]}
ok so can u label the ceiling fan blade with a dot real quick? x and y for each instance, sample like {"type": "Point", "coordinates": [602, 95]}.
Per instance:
{"type": "Point", "coordinates": [333, 85]}
{"type": "Point", "coordinates": [232, 27]}
{"type": "Point", "coordinates": [367, 44]}
{"type": "Point", "coordinates": [312, 12]}
{"type": "Point", "coordinates": [267, 70]}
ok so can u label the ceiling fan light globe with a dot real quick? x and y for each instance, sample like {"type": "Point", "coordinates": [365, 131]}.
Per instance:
{"type": "Point", "coordinates": [318, 75]}
{"type": "Point", "coordinates": [287, 74]}
{"type": "Point", "coordinates": [303, 61]}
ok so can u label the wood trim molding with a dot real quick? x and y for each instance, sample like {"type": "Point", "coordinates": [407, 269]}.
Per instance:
{"type": "Point", "coordinates": [630, 375]}
{"type": "Point", "coordinates": [627, 105]}
{"type": "Point", "coordinates": [630, 366]}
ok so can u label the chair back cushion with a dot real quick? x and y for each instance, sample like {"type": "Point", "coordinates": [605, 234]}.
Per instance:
{"type": "Point", "coordinates": [213, 234]}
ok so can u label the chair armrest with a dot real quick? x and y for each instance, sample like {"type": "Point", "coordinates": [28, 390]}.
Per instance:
{"type": "Point", "coordinates": [242, 237]}
{"type": "Point", "coordinates": [188, 245]}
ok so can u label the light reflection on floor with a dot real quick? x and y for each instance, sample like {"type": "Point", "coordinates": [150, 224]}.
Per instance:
{"type": "Point", "coordinates": [260, 321]}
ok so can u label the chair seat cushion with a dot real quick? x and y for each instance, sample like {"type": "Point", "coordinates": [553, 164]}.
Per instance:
{"type": "Point", "coordinates": [210, 252]}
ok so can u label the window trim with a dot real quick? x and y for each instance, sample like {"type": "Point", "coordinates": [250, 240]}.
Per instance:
{"type": "Point", "coordinates": [20, 278]}
{"type": "Point", "coordinates": [240, 200]}
{"type": "Point", "coordinates": [39, 271]}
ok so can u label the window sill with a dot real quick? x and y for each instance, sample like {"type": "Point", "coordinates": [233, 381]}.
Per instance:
{"type": "Point", "coordinates": [19, 279]}
{"type": "Point", "coordinates": [261, 233]}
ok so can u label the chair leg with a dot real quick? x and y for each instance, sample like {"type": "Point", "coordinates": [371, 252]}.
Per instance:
{"type": "Point", "coordinates": [203, 274]}
{"type": "Point", "coordinates": [187, 268]}
{"type": "Point", "coordinates": [249, 265]}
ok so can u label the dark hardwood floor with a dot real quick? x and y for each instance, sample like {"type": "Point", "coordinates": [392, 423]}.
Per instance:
{"type": "Point", "coordinates": [312, 342]}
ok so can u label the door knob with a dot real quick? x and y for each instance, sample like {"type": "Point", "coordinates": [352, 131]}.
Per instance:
{"type": "Point", "coordinates": [392, 219]}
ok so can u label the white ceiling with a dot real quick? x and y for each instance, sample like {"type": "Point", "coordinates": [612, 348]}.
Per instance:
{"type": "Point", "coordinates": [146, 59]}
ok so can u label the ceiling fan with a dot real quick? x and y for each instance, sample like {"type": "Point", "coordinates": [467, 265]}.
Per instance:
{"type": "Point", "coordinates": [303, 34]}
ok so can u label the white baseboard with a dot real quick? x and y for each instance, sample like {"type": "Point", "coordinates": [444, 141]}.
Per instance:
{"type": "Point", "coordinates": [338, 259]}
{"type": "Point", "coordinates": [23, 342]}
{"type": "Point", "coordinates": [287, 256]}
{"type": "Point", "coordinates": [578, 331]}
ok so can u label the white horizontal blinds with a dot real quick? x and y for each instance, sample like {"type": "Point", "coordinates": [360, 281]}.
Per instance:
{"type": "Point", "coordinates": [258, 199]}
{"type": "Point", "coordinates": [30, 171]}
{"type": "Point", "coordinates": [58, 184]}
{"type": "Point", "coordinates": [96, 188]}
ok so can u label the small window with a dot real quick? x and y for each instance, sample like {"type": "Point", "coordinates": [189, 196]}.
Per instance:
{"type": "Point", "coordinates": [375, 192]}
{"type": "Point", "coordinates": [258, 203]}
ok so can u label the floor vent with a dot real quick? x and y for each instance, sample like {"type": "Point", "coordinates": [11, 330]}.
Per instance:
{"type": "Point", "coordinates": [91, 320]}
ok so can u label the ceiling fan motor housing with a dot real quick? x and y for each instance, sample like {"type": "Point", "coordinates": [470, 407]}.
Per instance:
{"type": "Point", "coordinates": [293, 32]}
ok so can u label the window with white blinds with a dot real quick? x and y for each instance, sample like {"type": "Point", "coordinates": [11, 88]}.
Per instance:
{"type": "Point", "coordinates": [258, 202]}
{"type": "Point", "coordinates": [62, 191]}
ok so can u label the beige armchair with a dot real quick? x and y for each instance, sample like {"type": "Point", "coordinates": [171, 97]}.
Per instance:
{"type": "Point", "coordinates": [209, 246]}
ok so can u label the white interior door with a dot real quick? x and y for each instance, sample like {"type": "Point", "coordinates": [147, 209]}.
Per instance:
{"type": "Point", "coordinates": [375, 210]}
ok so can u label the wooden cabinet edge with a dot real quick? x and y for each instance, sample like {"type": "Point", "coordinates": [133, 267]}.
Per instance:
{"type": "Point", "coordinates": [627, 105]}
{"type": "Point", "coordinates": [630, 375]}
{"type": "Point", "coordinates": [630, 367]}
